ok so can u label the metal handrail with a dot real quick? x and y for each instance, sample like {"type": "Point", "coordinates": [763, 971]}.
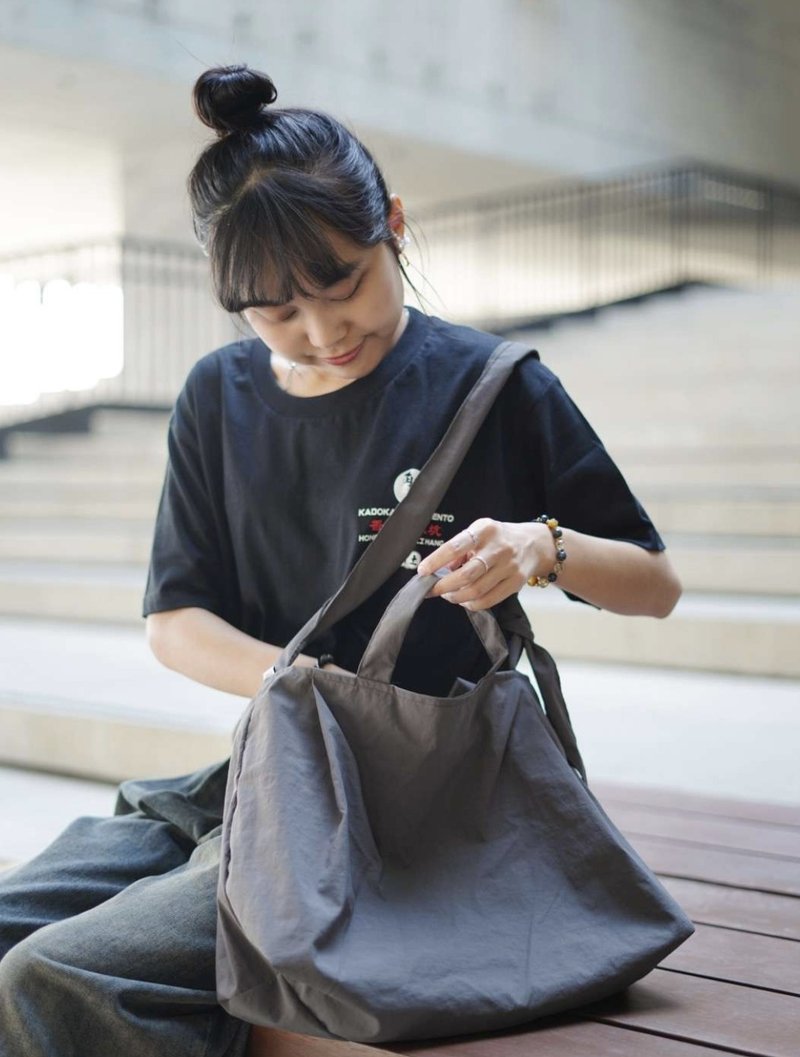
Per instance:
{"type": "Point", "coordinates": [496, 261]}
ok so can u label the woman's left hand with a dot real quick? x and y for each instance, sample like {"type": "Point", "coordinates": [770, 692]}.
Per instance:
{"type": "Point", "coordinates": [490, 561]}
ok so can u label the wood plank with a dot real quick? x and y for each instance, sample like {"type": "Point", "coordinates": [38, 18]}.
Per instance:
{"type": "Point", "coordinates": [742, 1019]}
{"type": "Point", "coordinates": [739, 869]}
{"type": "Point", "coordinates": [737, 908]}
{"type": "Point", "coordinates": [739, 957]}
{"type": "Point", "coordinates": [274, 1042]}
{"type": "Point", "coordinates": [569, 1038]}
{"type": "Point", "coordinates": [729, 807]}
{"type": "Point", "coordinates": [554, 1037]}
{"type": "Point", "coordinates": [708, 830]}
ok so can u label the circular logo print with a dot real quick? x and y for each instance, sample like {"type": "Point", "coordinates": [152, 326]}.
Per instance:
{"type": "Point", "coordinates": [403, 482]}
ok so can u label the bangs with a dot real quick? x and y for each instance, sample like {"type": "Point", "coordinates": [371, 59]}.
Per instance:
{"type": "Point", "coordinates": [260, 258]}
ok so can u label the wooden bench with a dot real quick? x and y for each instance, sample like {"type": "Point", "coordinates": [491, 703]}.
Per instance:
{"type": "Point", "coordinates": [733, 987]}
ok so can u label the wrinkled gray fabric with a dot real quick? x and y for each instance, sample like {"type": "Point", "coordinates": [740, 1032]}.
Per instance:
{"type": "Point", "coordinates": [401, 866]}
{"type": "Point", "coordinates": [398, 866]}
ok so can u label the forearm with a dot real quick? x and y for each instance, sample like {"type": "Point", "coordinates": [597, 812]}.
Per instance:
{"type": "Point", "coordinates": [208, 649]}
{"type": "Point", "coordinates": [615, 575]}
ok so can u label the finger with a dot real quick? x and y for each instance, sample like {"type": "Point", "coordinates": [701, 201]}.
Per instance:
{"type": "Point", "coordinates": [504, 589]}
{"type": "Point", "coordinates": [464, 576]}
{"type": "Point", "coordinates": [454, 550]}
{"type": "Point", "coordinates": [471, 581]}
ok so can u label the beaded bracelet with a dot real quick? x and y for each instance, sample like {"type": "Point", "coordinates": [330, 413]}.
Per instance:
{"type": "Point", "coordinates": [561, 554]}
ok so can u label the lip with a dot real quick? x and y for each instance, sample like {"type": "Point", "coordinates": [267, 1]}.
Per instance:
{"type": "Point", "coordinates": [346, 357]}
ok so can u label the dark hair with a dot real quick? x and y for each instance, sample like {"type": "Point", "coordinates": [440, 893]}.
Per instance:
{"type": "Point", "coordinates": [266, 194]}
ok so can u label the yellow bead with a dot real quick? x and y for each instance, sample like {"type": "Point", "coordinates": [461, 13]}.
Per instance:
{"type": "Point", "coordinates": [552, 523]}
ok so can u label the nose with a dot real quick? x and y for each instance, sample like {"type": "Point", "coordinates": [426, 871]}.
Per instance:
{"type": "Point", "coordinates": [325, 328]}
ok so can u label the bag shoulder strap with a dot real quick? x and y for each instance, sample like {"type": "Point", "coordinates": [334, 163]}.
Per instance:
{"type": "Point", "coordinates": [405, 524]}
{"type": "Point", "coordinates": [513, 619]}
{"type": "Point", "coordinates": [408, 519]}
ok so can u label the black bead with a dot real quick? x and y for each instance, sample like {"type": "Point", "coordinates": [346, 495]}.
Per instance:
{"type": "Point", "coordinates": [561, 555]}
{"type": "Point", "coordinates": [552, 577]}
{"type": "Point", "coordinates": [557, 533]}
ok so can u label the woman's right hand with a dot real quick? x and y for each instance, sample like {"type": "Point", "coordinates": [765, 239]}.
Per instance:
{"type": "Point", "coordinates": [336, 668]}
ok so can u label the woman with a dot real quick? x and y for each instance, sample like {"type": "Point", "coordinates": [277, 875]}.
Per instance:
{"type": "Point", "coordinates": [287, 452]}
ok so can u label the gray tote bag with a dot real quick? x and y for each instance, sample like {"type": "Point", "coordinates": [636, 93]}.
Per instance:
{"type": "Point", "coordinates": [399, 866]}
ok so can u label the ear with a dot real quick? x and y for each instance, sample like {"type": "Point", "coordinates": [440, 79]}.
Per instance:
{"type": "Point", "coordinates": [397, 220]}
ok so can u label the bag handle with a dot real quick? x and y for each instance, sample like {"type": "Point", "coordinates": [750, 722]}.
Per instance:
{"type": "Point", "coordinates": [380, 656]}
{"type": "Point", "coordinates": [514, 620]}
{"type": "Point", "coordinates": [407, 521]}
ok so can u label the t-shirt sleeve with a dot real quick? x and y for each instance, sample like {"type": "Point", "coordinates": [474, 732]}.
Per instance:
{"type": "Point", "coordinates": [187, 560]}
{"type": "Point", "coordinates": [578, 481]}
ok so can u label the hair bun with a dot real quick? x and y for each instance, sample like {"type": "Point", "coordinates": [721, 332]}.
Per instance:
{"type": "Point", "coordinates": [232, 98]}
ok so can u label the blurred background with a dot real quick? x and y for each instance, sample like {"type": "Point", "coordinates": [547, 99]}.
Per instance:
{"type": "Point", "coordinates": [616, 181]}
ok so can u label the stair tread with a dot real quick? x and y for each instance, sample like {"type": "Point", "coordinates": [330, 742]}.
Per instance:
{"type": "Point", "coordinates": [696, 604]}
{"type": "Point", "coordinates": [106, 671]}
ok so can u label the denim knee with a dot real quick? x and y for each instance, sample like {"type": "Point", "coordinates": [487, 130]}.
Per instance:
{"type": "Point", "coordinates": [31, 1002]}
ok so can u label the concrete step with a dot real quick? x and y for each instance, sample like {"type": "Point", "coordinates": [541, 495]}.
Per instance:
{"type": "Point", "coordinates": [703, 509]}
{"type": "Point", "coordinates": [70, 591]}
{"type": "Point", "coordinates": [78, 540]}
{"type": "Point", "coordinates": [749, 474]}
{"type": "Point", "coordinates": [721, 516]}
{"type": "Point", "coordinates": [739, 633]}
{"type": "Point", "coordinates": [50, 478]}
{"type": "Point", "coordinates": [92, 700]}
{"type": "Point", "coordinates": [143, 446]}
{"type": "Point", "coordinates": [114, 423]}
{"type": "Point", "coordinates": [111, 712]}
{"type": "Point", "coordinates": [44, 805]}
{"type": "Point", "coordinates": [745, 634]}
{"type": "Point", "coordinates": [731, 468]}
{"type": "Point", "coordinates": [719, 564]}
{"type": "Point", "coordinates": [115, 508]}
{"type": "Point", "coordinates": [710, 563]}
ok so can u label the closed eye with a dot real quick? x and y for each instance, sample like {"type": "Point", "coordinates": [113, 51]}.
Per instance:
{"type": "Point", "coordinates": [350, 296]}
{"type": "Point", "coordinates": [352, 293]}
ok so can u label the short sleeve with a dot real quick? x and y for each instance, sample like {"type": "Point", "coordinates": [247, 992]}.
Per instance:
{"type": "Point", "coordinates": [579, 482]}
{"type": "Point", "coordinates": [187, 561]}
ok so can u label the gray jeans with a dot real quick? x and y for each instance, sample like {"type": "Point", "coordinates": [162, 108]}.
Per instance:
{"type": "Point", "coordinates": [107, 937]}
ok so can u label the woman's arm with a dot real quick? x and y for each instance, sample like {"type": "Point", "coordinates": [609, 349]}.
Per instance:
{"type": "Point", "coordinates": [615, 575]}
{"type": "Point", "coordinates": [211, 651]}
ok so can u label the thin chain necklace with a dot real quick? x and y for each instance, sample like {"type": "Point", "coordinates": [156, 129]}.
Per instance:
{"type": "Point", "coordinates": [293, 364]}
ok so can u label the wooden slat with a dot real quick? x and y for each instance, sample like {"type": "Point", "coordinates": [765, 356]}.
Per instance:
{"type": "Point", "coordinates": [740, 957]}
{"type": "Point", "coordinates": [273, 1042]}
{"type": "Point", "coordinates": [728, 807]}
{"type": "Point", "coordinates": [740, 869]}
{"type": "Point", "coordinates": [742, 1019]}
{"type": "Point", "coordinates": [567, 1039]}
{"type": "Point", "coordinates": [707, 830]}
{"type": "Point", "coordinates": [737, 908]}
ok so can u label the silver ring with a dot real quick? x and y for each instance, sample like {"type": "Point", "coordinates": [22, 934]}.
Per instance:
{"type": "Point", "coordinates": [485, 563]}
{"type": "Point", "coordinates": [472, 534]}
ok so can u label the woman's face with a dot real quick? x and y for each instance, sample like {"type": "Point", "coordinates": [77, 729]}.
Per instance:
{"type": "Point", "coordinates": [362, 313]}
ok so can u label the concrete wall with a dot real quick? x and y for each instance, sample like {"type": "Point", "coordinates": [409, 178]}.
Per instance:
{"type": "Point", "coordinates": [455, 96]}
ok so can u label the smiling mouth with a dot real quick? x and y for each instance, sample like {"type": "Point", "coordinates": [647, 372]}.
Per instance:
{"type": "Point", "coordinates": [346, 355]}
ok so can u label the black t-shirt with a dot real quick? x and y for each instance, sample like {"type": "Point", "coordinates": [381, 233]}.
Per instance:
{"type": "Point", "coordinates": [270, 499]}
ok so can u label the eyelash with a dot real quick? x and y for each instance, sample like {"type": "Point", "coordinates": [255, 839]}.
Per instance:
{"type": "Point", "coordinates": [348, 298]}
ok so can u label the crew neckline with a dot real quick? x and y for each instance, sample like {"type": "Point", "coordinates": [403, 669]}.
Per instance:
{"type": "Point", "coordinates": [416, 332]}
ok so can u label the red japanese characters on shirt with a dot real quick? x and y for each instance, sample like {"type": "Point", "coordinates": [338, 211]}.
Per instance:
{"type": "Point", "coordinates": [371, 520]}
